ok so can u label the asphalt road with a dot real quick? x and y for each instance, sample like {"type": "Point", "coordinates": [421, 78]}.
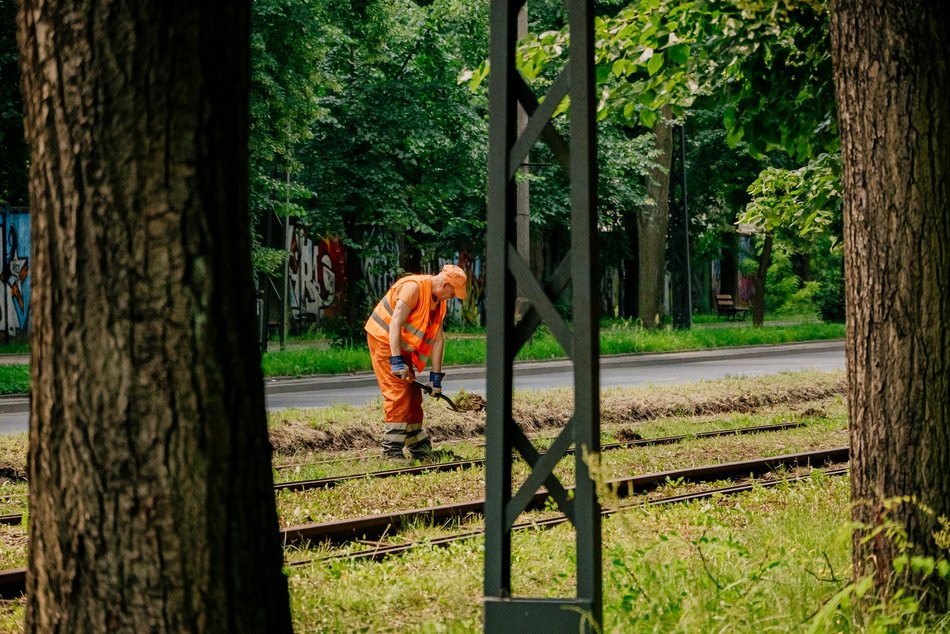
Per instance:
{"type": "Point", "coordinates": [615, 371]}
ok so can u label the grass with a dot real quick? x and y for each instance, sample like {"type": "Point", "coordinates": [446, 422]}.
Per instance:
{"type": "Point", "coordinates": [767, 560]}
{"type": "Point", "coordinates": [14, 379]}
{"type": "Point", "coordinates": [773, 559]}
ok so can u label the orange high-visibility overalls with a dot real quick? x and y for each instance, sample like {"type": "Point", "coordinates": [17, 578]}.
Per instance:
{"type": "Point", "coordinates": [402, 399]}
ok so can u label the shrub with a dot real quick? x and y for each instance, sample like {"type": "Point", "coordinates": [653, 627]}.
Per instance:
{"type": "Point", "coordinates": [830, 299]}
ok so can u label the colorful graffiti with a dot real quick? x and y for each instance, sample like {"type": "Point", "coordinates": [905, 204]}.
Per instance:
{"type": "Point", "coordinates": [15, 230]}
{"type": "Point", "coordinates": [317, 275]}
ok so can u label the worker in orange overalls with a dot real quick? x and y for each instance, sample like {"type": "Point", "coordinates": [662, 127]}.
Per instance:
{"type": "Point", "coordinates": [404, 333]}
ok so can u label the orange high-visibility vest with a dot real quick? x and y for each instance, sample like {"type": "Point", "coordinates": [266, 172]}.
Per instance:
{"type": "Point", "coordinates": [419, 332]}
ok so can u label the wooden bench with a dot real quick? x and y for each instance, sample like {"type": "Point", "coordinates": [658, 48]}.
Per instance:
{"type": "Point", "coordinates": [727, 308]}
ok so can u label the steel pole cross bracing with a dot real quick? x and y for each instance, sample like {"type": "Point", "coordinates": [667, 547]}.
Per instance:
{"type": "Point", "coordinates": [503, 611]}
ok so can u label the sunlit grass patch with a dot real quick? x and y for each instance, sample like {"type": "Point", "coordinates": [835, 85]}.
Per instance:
{"type": "Point", "coordinates": [769, 552]}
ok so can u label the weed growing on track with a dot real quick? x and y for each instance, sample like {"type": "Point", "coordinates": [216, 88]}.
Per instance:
{"type": "Point", "coordinates": [362, 497]}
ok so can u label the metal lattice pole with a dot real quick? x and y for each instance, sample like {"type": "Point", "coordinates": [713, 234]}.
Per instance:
{"type": "Point", "coordinates": [506, 269]}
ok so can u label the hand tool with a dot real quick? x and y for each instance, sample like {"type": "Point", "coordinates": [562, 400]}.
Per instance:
{"type": "Point", "coordinates": [428, 390]}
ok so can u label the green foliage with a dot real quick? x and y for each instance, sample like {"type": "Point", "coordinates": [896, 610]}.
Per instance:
{"type": "Point", "coordinates": [401, 153]}
{"type": "Point", "coordinates": [781, 281]}
{"type": "Point", "coordinates": [769, 64]}
{"type": "Point", "coordinates": [803, 201]}
{"type": "Point", "coordinates": [15, 156]}
{"type": "Point", "coordinates": [830, 297]}
{"type": "Point", "coordinates": [289, 77]}
{"type": "Point", "coordinates": [883, 602]}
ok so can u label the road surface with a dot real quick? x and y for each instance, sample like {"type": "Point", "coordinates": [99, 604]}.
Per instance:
{"type": "Point", "coordinates": [615, 371]}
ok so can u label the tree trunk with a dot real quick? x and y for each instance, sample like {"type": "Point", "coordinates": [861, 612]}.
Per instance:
{"type": "Point", "coordinates": [893, 93]}
{"type": "Point", "coordinates": [652, 225]}
{"type": "Point", "coordinates": [761, 274]}
{"type": "Point", "coordinates": [151, 500]}
{"type": "Point", "coordinates": [729, 263]}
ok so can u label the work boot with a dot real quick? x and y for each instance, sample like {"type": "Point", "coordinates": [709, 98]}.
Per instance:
{"type": "Point", "coordinates": [393, 451]}
{"type": "Point", "coordinates": [421, 450]}
{"type": "Point", "coordinates": [394, 440]}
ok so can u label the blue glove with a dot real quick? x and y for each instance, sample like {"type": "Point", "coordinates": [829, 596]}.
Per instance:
{"type": "Point", "coordinates": [435, 382]}
{"type": "Point", "coordinates": [397, 365]}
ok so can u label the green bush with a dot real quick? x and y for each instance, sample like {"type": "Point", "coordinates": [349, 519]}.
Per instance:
{"type": "Point", "coordinates": [830, 299]}
{"type": "Point", "coordinates": [781, 282]}
{"type": "Point", "coordinates": [802, 301]}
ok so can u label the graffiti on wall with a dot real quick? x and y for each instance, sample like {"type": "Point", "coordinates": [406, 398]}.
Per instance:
{"type": "Point", "coordinates": [317, 275]}
{"type": "Point", "coordinates": [15, 230]}
{"type": "Point", "coordinates": [745, 288]}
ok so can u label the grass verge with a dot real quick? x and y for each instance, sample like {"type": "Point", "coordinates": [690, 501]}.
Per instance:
{"type": "Point", "coordinates": [620, 338]}
{"type": "Point", "coordinates": [468, 349]}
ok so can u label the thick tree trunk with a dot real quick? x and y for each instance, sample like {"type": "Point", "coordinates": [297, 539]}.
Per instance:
{"type": "Point", "coordinates": [758, 300]}
{"type": "Point", "coordinates": [652, 224]}
{"type": "Point", "coordinates": [893, 89]}
{"type": "Point", "coordinates": [151, 501]}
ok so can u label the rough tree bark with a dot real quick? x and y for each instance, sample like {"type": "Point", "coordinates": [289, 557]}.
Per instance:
{"type": "Point", "coordinates": [652, 224]}
{"type": "Point", "coordinates": [892, 83]}
{"type": "Point", "coordinates": [151, 501]}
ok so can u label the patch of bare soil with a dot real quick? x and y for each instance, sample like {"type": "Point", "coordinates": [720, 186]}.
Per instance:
{"type": "Point", "coordinates": [293, 437]}
{"type": "Point", "coordinates": [553, 409]}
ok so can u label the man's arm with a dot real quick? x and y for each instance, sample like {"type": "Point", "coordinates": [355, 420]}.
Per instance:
{"type": "Point", "coordinates": [438, 349]}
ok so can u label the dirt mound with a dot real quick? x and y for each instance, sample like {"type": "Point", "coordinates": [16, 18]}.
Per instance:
{"type": "Point", "coordinates": [625, 434]}
{"type": "Point", "coordinates": [470, 402]}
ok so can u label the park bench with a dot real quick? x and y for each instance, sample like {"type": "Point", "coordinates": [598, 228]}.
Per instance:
{"type": "Point", "coordinates": [727, 308]}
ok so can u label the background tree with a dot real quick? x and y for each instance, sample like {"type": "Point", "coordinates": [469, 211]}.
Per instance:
{"type": "Point", "coordinates": [799, 211]}
{"type": "Point", "coordinates": [892, 82]}
{"type": "Point", "coordinates": [395, 161]}
{"type": "Point", "coordinates": [14, 159]}
{"type": "Point", "coordinates": [151, 500]}
{"type": "Point", "coordinates": [767, 66]}
{"type": "Point", "coordinates": [290, 78]}
{"type": "Point", "coordinates": [719, 177]}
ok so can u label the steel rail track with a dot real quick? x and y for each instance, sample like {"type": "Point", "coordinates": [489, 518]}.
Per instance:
{"type": "Point", "coordinates": [330, 482]}
{"type": "Point", "coordinates": [382, 551]}
{"type": "Point", "coordinates": [327, 483]}
{"type": "Point", "coordinates": [13, 581]}
{"type": "Point", "coordinates": [373, 526]}
{"type": "Point", "coordinates": [663, 440]}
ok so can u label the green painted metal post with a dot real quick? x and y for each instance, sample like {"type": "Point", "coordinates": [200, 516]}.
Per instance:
{"type": "Point", "coordinates": [506, 269]}
{"type": "Point", "coordinates": [499, 296]}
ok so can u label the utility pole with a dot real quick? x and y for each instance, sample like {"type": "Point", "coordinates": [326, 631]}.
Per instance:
{"type": "Point", "coordinates": [288, 234]}
{"type": "Point", "coordinates": [678, 247]}
{"type": "Point", "coordinates": [522, 189]}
